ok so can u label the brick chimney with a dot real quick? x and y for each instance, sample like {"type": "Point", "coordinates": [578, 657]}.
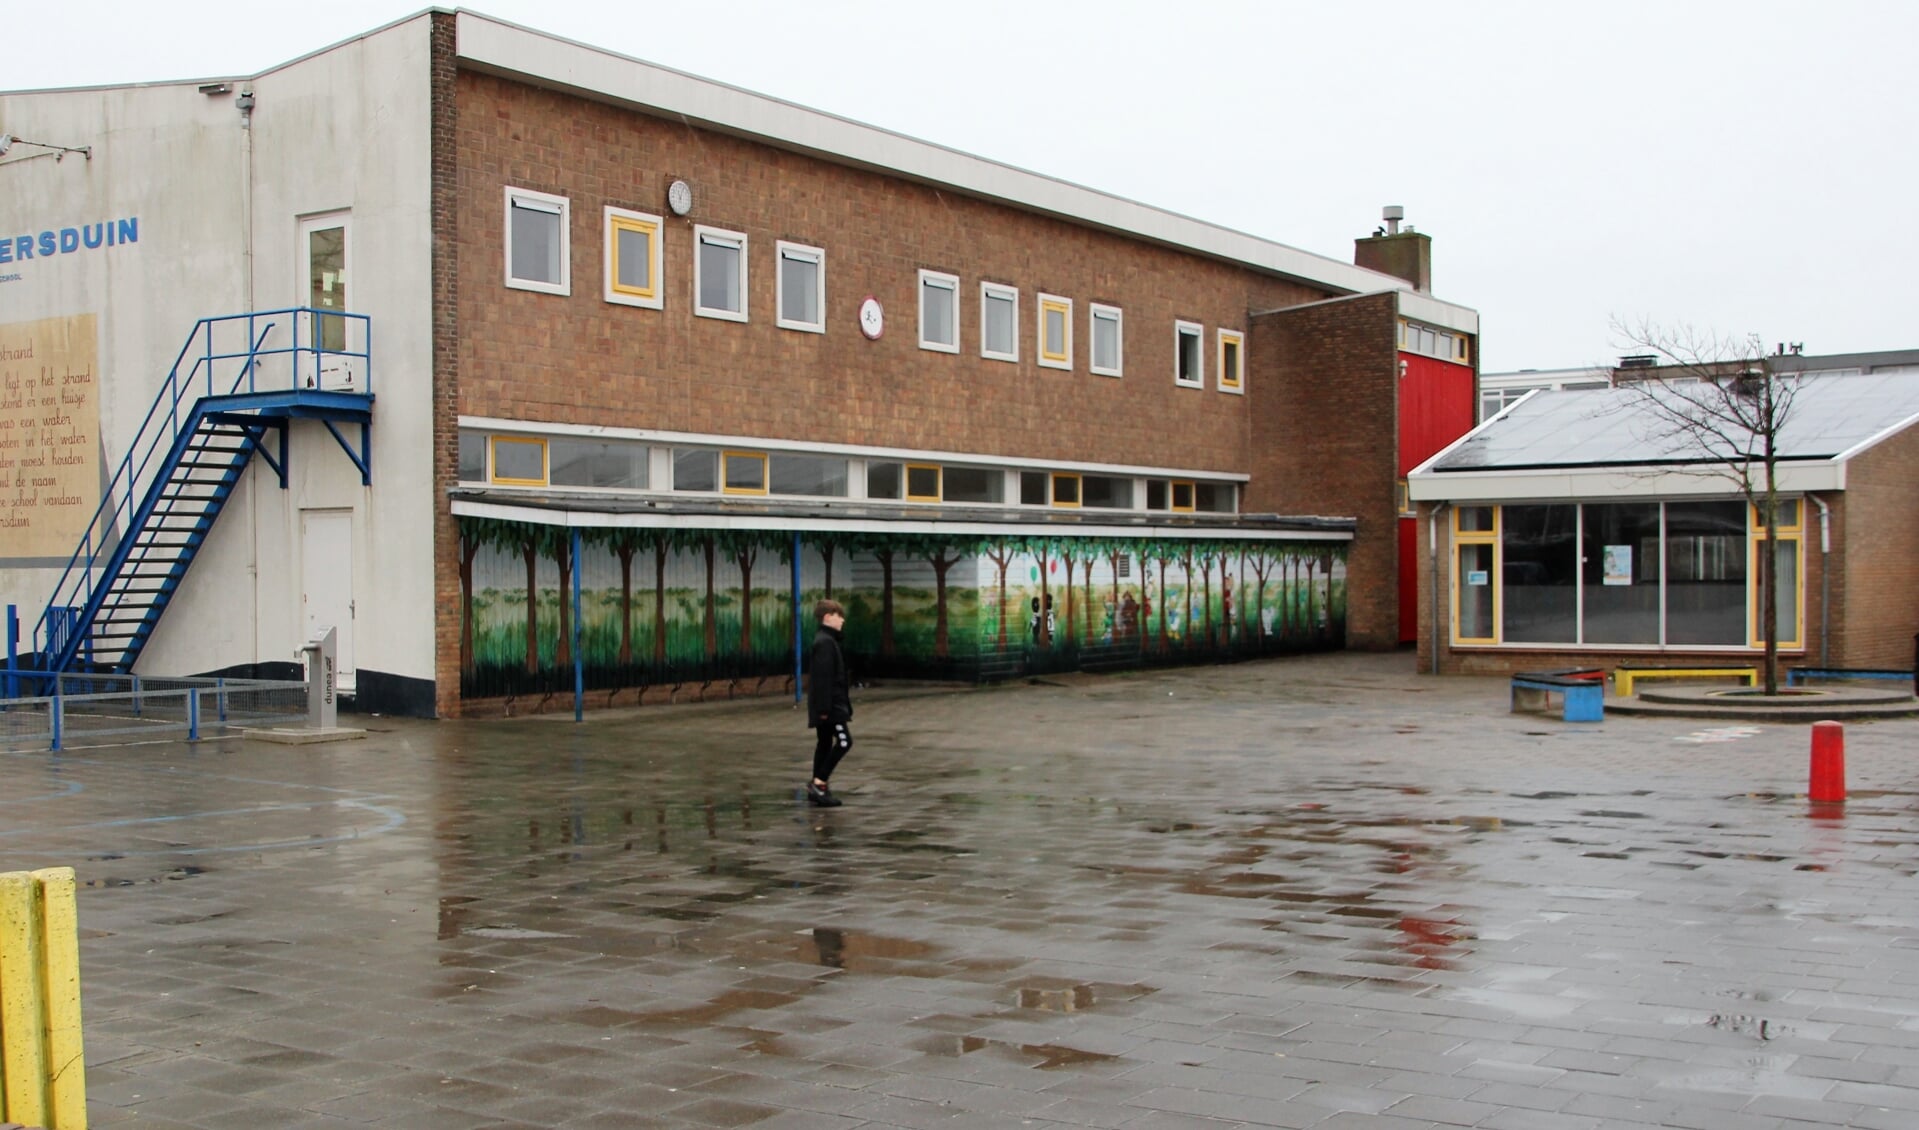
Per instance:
{"type": "Point", "coordinates": [1408, 254]}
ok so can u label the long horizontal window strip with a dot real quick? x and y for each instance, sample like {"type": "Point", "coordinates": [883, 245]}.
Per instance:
{"type": "Point", "coordinates": [1636, 574]}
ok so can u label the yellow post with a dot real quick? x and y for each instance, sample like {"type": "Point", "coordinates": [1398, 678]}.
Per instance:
{"type": "Point", "coordinates": [42, 1074]}
{"type": "Point", "coordinates": [60, 955]}
{"type": "Point", "coordinates": [23, 1045]}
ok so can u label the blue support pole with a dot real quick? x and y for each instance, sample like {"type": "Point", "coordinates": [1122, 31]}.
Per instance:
{"type": "Point", "coordinates": [57, 713]}
{"type": "Point", "coordinates": [799, 659]}
{"type": "Point", "coordinates": [13, 651]}
{"type": "Point", "coordinates": [579, 661]}
{"type": "Point", "coordinates": [193, 714]}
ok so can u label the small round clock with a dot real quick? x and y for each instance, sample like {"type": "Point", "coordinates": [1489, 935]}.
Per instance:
{"type": "Point", "coordinates": [872, 318]}
{"type": "Point", "coordinates": [679, 197]}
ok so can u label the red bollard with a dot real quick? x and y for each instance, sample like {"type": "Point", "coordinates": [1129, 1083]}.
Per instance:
{"type": "Point", "coordinates": [1828, 762]}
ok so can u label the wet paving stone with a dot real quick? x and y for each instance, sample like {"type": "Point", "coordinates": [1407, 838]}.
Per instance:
{"type": "Point", "coordinates": [1321, 892]}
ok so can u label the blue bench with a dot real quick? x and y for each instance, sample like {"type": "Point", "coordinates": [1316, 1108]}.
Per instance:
{"type": "Point", "coordinates": [1797, 676]}
{"type": "Point", "coordinates": [1583, 698]}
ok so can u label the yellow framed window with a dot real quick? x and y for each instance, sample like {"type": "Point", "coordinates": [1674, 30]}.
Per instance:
{"type": "Point", "coordinates": [1183, 496]}
{"type": "Point", "coordinates": [634, 258]}
{"type": "Point", "coordinates": [922, 482]}
{"type": "Point", "coordinates": [1475, 596]}
{"type": "Point", "coordinates": [1231, 361]}
{"type": "Point", "coordinates": [1055, 332]}
{"type": "Point", "coordinates": [1066, 489]}
{"type": "Point", "coordinates": [518, 461]}
{"type": "Point", "coordinates": [1789, 585]}
{"type": "Point", "coordinates": [743, 472]}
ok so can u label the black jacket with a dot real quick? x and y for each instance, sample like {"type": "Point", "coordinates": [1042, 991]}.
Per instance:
{"type": "Point", "coordinates": [827, 687]}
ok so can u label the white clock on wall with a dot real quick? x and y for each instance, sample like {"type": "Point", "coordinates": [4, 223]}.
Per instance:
{"type": "Point", "coordinates": [679, 197]}
{"type": "Point", "coordinates": [872, 318]}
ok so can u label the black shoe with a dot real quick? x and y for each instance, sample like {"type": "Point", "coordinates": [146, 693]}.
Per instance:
{"type": "Point", "coordinates": [821, 797]}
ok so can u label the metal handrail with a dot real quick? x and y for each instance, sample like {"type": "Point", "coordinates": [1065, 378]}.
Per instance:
{"type": "Point", "coordinates": [127, 492]}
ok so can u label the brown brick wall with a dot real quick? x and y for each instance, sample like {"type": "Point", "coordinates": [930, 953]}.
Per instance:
{"type": "Point", "coordinates": [1324, 437]}
{"type": "Point", "coordinates": [578, 359]}
{"type": "Point", "coordinates": [1881, 526]}
{"type": "Point", "coordinates": [446, 368]}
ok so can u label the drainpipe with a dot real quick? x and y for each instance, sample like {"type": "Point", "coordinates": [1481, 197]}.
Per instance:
{"type": "Point", "coordinates": [1825, 579]}
{"type": "Point", "coordinates": [1432, 553]}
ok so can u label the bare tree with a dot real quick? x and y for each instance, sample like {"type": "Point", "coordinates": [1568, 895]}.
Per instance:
{"type": "Point", "coordinates": [1719, 404]}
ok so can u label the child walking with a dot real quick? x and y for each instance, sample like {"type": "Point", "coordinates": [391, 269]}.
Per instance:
{"type": "Point", "coordinates": [829, 705]}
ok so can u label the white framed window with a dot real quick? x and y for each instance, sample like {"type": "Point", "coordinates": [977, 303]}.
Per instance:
{"type": "Point", "coordinates": [802, 287]}
{"type": "Point", "coordinates": [1230, 364]}
{"type": "Point", "coordinates": [939, 312]}
{"type": "Point", "coordinates": [1108, 327]}
{"type": "Point", "coordinates": [633, 258]}
{"type": "Point", "coordinates": [1189, 354]}
{"type": "Point", "coordinates": [1055, 332]}
{"type": "Point", "coordinates": [537, 255]}
{"type": "Point", "coordinates": [719, 273]}
{"type": "Point", "coordinates": [998, 322]}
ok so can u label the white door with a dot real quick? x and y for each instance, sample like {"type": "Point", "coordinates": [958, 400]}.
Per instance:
{"type": "Point", "coordinates": [326, 584]}
{"type": "Point", "coordinates": [324, 249]}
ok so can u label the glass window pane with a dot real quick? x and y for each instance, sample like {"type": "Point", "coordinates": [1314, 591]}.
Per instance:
{"type": "Point", "coordinates": [745, 472]}
{"type": "Point", "coordinates": [1055, 331]}
{"type": "Point", "coordinates": [937, 302]}
{"type": "Point", "coordinates": [1476, 519]}
{"type": "Point", "coordinates": [999, 323]}
{"type": "Point", "coordinates": [635, 249]}
{"type": "Point", "coordinates": [1785, 591]}
{"type": "Point", "coordinates": [807, 474]}
{"type": "Point", "coordinates": [1216, 498]}
{"type": "Point", "coordinates": [1474, 583]}
{"type": "Point", "coordinates": [1105, 341]}
{"type": "Point", "coordinates": [326, 290]}
{"type": "Point", "coordinates": [1182, 496]}
{"type": "Point", "coordinates": [799, 290]}
{"type": "Point", "coordinates": [472, 457]}
{"type": "Point", "coordinates": [1034, 488]}
{"type": "Point", "coordinates": [720, 276]}
{"type": "Point", "coordinates": [922, 482]}
{"type": "Point", "coordinates": [1066, 489]}
{"type": "Point", "coordinates": [1540, 571]}
{"type": "Point", "coordinates": [696, 470]}
{"type": "Point", "coordinates": [1621, 572]}
{"type": "Point", "coordinates": [975, 484]}
{"type": "Point", "coordinates": [1106, 491]}
{"type": "Point", "coordinates": [519, 459]}
{"type": "Point", "coordinates": [1230, 359]}
{"type": "Point", "coordinates": [1156, 494]}
{"type": "Point", "coordinates": [1705, 573]}
{"type": "Point", "coordinates": [1188, 356]}
{"type": "Point", "coordinates": [587, 463]}
{"type": "Point", "coordinates": [536, 244]}
{"type": "Point", "coordinates": [883, 480]}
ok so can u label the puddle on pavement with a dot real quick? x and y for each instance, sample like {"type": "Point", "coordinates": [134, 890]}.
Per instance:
{"type": "Point", "coordinates": [1050, 1056]}
{"type": "Point", "coordinates": [1050, 995]}
{"type": "Point", "coordinates": [855, 951]}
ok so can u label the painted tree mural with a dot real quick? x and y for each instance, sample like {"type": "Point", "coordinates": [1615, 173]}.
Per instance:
{"type": "Point", "coordinates": [925, 606]}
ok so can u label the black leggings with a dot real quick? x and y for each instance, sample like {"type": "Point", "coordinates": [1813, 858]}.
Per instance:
{"type": "Point", "coordinates": [831, 745]}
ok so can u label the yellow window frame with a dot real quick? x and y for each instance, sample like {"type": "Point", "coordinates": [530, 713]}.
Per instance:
{"type": "Point", "coordinates": [492, 460]}
{"type": "Point", "coordinates": [1796, 629]}
{"type": "Point", "coordinates": [939, 480]}
{"type": "Point", "coordinates": [1061, 358]}
{"type": "Point", "coordinates": [618, 221]}
{"type": "Point", "coordinates": [1474, 537]}
{"type": "Point", "coordinates": [726, 471]}
{"type": "Point", "coordinates": [1079, 489]}
{"type": "Point", "coordinates": [1232, 378]}
{"type": "Point", "coordinates": [1797, 525]}
{"type": "Point", "coordinates": [1173, 489]}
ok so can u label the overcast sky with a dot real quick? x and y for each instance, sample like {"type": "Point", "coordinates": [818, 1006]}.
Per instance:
{"type": "Point", "coordinates": [1742, 166]}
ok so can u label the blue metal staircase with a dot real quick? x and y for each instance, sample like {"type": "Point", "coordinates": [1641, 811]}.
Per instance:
{"type": "Point", "coordinates": [233, 392]}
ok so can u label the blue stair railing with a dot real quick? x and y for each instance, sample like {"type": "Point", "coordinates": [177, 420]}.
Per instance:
{"type": "Point", "coordinates": [231, 369]}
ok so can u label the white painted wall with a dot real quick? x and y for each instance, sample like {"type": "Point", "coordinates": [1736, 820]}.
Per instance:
{"type": "Point", "coordinates": [344, 129]}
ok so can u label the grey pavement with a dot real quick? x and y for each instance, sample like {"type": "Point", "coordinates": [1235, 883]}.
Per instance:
{"type": "Point", "coordinates": [1321, 892]}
